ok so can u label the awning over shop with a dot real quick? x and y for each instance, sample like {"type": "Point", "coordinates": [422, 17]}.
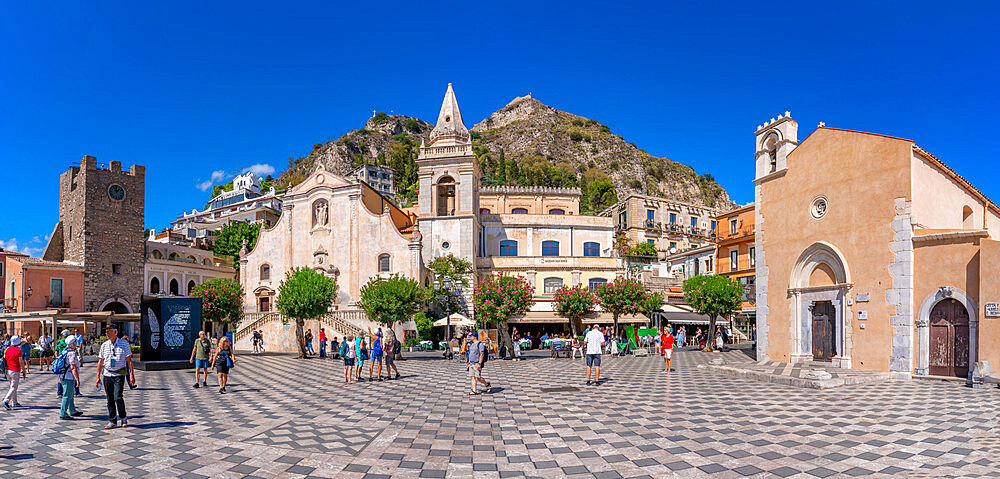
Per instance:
{"type": "Point", "coordinates": [55, 318]}
{"type": "Point", "coordinates": [678, 315]}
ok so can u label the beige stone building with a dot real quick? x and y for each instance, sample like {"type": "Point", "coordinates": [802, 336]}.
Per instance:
{"type": "Point", "coordinates": [174, 267]}
{"type": "Point", "coordinates": [671, 226]}
{"type": "Point", "coordinates": [872, 254]}
{"type": "Point", "coordinates": [538, 233]}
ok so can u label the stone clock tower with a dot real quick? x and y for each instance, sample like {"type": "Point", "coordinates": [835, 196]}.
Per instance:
{"type": "Point", "coordinates": [101, 226]}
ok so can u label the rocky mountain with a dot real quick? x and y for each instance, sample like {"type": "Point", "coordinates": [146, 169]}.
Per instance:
{"type": "Point", "coordinates": [526, 143]}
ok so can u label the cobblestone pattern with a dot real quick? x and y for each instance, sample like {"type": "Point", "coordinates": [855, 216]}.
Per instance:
{"type": "Point", "coordinates": [296, 418]}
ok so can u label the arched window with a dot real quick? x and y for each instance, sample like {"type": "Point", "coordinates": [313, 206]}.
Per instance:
{"type": "Point", "coordinates": [967, 220]}
{"type": "Point", "coordinates": [174, 287]}
{"type": "Point", "coordinates": [173, 257]}
{"type": "Point", "coordinates": [519, 211]}
{"type": "Point", "coordinates": [265, 272]}
{"type": "Point", "coordinates": [192, 259]}
{"type": "Point", "coordinates": [591, 248]}
{"type": "Point", "coordinates": [484, 211]}
{"type": "Point", "coordinates": [508, 248]}
{"type": "Point", "coordinates": [154, 286]}
{"type": "Point", "coordinates": [771, 145]}
{"type": "Point", "coordinates": [191, 286]}
{"type": "Point", "coordinates": [557, 211]}
{"type": "Point", "coordinates": [595, 282]}
{"type": "Point", "coordinates": [383, 263]}
{"type": "Point", "coordinates": [156, 254]}
{"type": "Point", "coordinates": [552, 284]}
{"type": "Point", "coordinates": [550, 248]}
{"type": "Point", "coordinates": [446, 198]}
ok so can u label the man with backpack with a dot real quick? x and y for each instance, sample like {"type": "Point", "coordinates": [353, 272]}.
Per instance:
{"type": "Point", "coordinates": [199, 356]}
{"type": "Point", "coordinates": [67, 366]}
{"type": "Point", "coordinates": [60, 347]}
{"type": "Point", "coordinates": [478, 355]}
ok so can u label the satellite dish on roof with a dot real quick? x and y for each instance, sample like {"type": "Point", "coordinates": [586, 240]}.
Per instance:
{"type": "Point", "coordinates": [673, 250]}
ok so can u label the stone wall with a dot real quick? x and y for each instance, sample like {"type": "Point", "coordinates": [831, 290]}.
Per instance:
{"type": "Point", "coordinates": [900, 294]}
{"type": "Point", "coordinates": [99, 231]}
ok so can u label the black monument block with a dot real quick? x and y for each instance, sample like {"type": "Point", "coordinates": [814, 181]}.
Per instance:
{"type": "Point", "coordinates": [169, 328]}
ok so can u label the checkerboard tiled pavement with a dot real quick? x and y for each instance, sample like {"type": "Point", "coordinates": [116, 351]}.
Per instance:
{"type": "Point", "coordinates": [290, 418]}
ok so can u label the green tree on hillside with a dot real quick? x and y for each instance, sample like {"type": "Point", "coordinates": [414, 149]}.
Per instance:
{"type": "Point", "coordinates": [600, 195]}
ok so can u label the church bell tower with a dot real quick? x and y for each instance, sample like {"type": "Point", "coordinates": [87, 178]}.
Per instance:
{"type": "Point", "coordinates": [449, 187]}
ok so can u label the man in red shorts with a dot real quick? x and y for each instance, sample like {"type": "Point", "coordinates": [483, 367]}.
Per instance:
{"type": "Point", "coordinates": [666, 347]}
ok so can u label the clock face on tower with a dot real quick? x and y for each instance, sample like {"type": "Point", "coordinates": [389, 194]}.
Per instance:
{"type": "Point", "coordinates": [116, 192]}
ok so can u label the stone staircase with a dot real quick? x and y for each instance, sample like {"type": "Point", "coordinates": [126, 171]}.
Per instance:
{"type": "Point", "coordinates": [344, 322]}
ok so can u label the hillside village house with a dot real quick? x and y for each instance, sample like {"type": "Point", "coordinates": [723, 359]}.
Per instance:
{"type": "Point", "coordinates": [873, 254]}
{"type": "Point", "coordinates": [670, 226]}
{"type": "Point", "coordinates": [246, 201]}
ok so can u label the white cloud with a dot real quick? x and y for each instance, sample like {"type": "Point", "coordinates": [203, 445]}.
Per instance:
{"type": "Point", "coordinates": [260, 169]}
{"type": "Point", "coordinates": [217, 177]}
{"type": "Point", "coordinates": [11, 245]}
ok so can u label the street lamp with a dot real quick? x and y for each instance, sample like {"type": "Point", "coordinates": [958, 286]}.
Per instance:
{"type": "Point", "coordinates": [447, 285]}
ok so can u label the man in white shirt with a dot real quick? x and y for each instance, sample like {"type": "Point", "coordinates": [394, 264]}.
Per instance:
{"type": "Point", "coordinates": [594, 344]}
{"type": "Point", "coordinates": [113, 364]}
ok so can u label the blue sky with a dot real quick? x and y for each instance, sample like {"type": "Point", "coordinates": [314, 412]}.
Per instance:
{"type": "Point", "coordinates": [192, 88]}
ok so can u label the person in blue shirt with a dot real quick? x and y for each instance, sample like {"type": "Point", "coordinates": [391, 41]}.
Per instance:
{"type": "Point", "coordinates": [376, 353]}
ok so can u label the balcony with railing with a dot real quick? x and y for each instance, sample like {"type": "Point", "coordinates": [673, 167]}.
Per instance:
{"type": "Point", "coordinates": [741, 233]}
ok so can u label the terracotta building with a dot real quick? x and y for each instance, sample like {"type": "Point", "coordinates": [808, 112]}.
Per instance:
{"type": "Point", "coordinates": [736, 256]}
{"type": "Point", "coordinates": [871, 253]}
{"type": "Point", "coordinates": [34, 284]}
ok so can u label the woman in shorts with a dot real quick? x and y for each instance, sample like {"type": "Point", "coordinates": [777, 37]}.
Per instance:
{"type": "Point", "coordinates": [223, 359]}
{"type": "Point", "coordinates": [347, 352]}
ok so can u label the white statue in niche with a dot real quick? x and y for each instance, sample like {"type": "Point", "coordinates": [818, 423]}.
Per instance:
{"type": "Point", "coordinates": [321, 217]}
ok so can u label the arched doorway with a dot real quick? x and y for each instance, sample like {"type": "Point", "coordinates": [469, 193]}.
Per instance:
{"type": "Point", "coordinates": [117, 308]}
{"type": "Point", "coordinates": [820, 285]}
{"type": "Point", "coordinates": [174, 289]}
{"type": "Point", "coordinates": [948, 354]}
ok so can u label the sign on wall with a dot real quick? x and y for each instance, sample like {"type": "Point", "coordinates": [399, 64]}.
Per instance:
{"type": "Point", "coordinates": [992, 310]}
{"type": "Point", "coordinates": [862, 314]}
{"type": "Point", "coordinates": [863, 297]}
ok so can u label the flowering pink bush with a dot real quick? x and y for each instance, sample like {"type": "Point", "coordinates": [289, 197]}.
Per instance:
{"type": "Point", "coordinates": [498, 297]}
{"type": "Point", "coordinates": [221, 300]}
{"type": "Point", "coordinates": [573, 303]}
{"type": "Point", "coordinates": [621, 297]}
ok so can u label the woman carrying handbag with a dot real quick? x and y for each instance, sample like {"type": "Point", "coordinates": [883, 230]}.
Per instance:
{"type": "Point", "coordinates": [223, 360]}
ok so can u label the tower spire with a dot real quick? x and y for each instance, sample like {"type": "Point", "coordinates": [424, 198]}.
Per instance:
{"type": "Point", "coordinates": [450, 130]}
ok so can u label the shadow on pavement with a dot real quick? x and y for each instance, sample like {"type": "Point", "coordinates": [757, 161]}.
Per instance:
{"type": "Point", "coordinates": [157, 425]}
